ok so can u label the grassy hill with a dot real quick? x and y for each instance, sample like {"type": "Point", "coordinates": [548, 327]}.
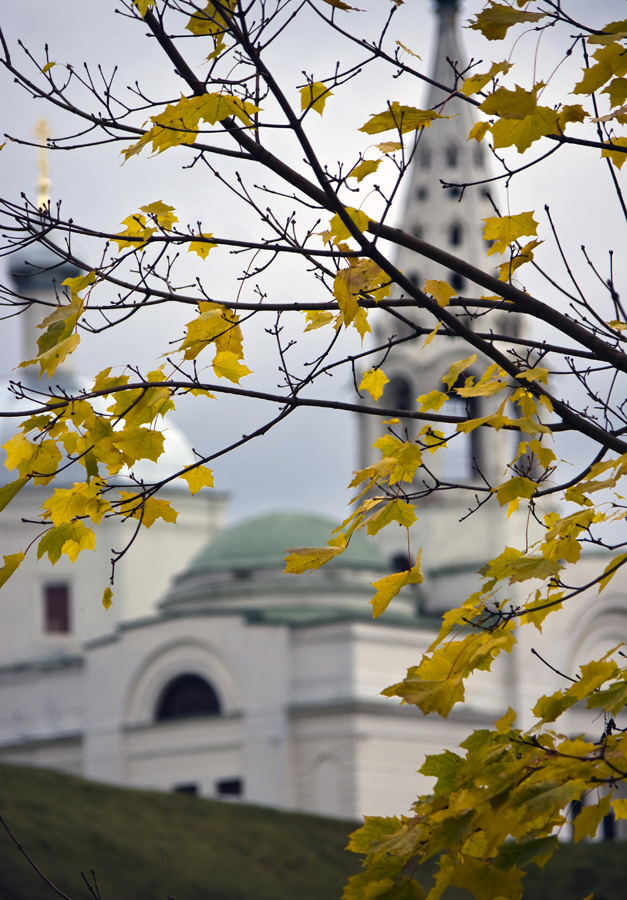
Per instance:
{"type": "Point", "coordinates": [145, 845]}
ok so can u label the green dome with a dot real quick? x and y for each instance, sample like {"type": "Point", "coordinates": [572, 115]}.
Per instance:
{"type": "Point", "coordinates": [262, 542]}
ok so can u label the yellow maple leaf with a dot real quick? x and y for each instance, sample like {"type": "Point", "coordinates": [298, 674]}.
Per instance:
{"type": "Point", "coordinates": [364, 168]}
{"type": "Point", "coordinates": [211, 20]}
{"type": "Point", "coordinates": [338, 231]}
{"type": "Point", "coordinates": [202, 246]}
{"type": "Point", "coordinates": [227, 365]}
{"type": "Point", "coordinates": [505, 230]}
{"type": "Point", "coordinates": [457, 368]}
{"type": "Point", "coordinates": [198, 478]}
{"type": "Point", "coordinates": [70, 538]}
{"type": "Point", "coordinates": [400, 118]}
{"type": "Point", "coordinates": [441, 291]}
{"type": "Point", "coordinates": [494, 21]}
{"type": "Point", "coordinates": [80, 282]}
{"type": "Point", "coordinates": [146, 509]}
{"type": "Point", "coordinates": [617, 157]}
{"type": "Point", "coordinates": [11, 564]}
{"type": "Point", "coordinates": [314, 96]}
{"type": "Point", "coordinates": [318, 318]}
{"type": "Point", "coordinates": [107, 598]}
{"type": "Point", "coordinates": [387, 588]}
{"type": "Point", "coordinates": [373, 381]}
{"type": "Point", "coordinates": [162, 214]}
{"type": "Point", "coordinates": [303, 559]}
{"type": "Point", "coordinates": [137, 233]}
{"type": "Point", "coordinates": [478, 81]}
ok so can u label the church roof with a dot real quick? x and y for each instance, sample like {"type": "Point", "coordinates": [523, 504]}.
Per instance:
{"type": "Point", "coordinates": [261, 543]}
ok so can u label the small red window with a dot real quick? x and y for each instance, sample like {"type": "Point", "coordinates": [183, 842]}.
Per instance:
{"type": "Point", "coordinates": [56, 609]}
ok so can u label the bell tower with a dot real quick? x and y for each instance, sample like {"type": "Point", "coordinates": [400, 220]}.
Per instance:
{"type": "Point", "coordinates": [450, 218]}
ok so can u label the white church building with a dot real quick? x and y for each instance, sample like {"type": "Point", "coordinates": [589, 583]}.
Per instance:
{"type": "Point", "coordinates": [214, 673]}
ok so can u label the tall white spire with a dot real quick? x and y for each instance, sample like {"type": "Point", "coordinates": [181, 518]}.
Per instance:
{"type": "Point", "coordinates": [450, 218]}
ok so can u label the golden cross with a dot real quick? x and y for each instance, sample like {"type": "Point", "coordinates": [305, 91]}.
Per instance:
{"type": "Point", "coordinates": [44, 184]}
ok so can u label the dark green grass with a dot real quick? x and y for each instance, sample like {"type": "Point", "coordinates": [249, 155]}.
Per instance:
{"type": "Point", "coordinates": [145, 845]}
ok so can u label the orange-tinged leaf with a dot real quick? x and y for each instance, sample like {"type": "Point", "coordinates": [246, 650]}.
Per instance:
{"type": "Point", "coordinates": [11, 564]}
{"type": "Point", "coordinates": [198, 478]}
{"type": "Point", "coordinates": [373, 381]}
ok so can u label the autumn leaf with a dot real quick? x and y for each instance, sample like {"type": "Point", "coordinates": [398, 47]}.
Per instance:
{"type": "Point", "coordinates": [304, 559]}
{"type": "Point", "coordinates": [198, 478]}
{"type": "Point", "coordinates": [11, 564]}
{"type": "Point", "coordinates": [441, 291]}
{"type": "Point", "coordinates": [373, 381]}
{"type": "Point", "coordinates": [9, 491]}
{"type": "Point", "coordinates": [617, 157]}
{"type": "Point", "coordinates": [457, 368]}
{"type": "Point", "coordinates": [505, 230]}
{"type": "Point", "coordinates": [364, 168]}
{"type": "Point", "coordinates": [338, 231]}
{"type": "Point", "coordinates": [495, 20]}
{"type": "Point", "coordinates": [136, 234]}
{"type": "Point", "coordinates": [70, 538]}
{"type": "Point", "coordinates": [162, 214]}
{"type": "Point", "coordinates": [80, 282]}
{"type": "Point", "coordinates": [146, 509]}
{"type": "Point", "coordinates": [211, 20]}
{"type": "Point", "coordinates": [317, 318]}
{"type": "Point", "coordinates": [107, 598]}
{"type": "Point", "coordinates": [314, 96]}
{"type": "Point", "coordinates": [401, 118]}
{"type": "Point", "coordinates": [202, 246]}
{"type": "Point", "coordinates": [227, 365]}
{"type": "Point", "coordinates": [477, 82]}
{"type": "Point", "coordinates": [387, 588]}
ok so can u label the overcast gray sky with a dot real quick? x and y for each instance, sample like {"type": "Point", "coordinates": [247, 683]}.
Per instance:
{"type": "Point", "coordinates": [307, 461]}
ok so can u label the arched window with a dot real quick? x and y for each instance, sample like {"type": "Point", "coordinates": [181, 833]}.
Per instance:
{"type": "Point", "coordinates": [414, 277]}
{"type": "Point", "coordinates": [422, 192]}
{"type": "Point", "coordinates": [398, 394]}
{"type": "Point", "coordinates": [417, 231]}
{"type": "Point", "coordinates": [478, 155]}
{"type": "Point", "coordinates": [424, 157]}
{"type": "Point", "coordinates": [185, 697]}
{"type": "Point", "coordinates": [460, 460]}
{"type": "Point", "coordinates": [451, 156]}
{"type": "Point", "coordinates": [456, 281]}
{"type": "Point", "coordinates": [455, 234]}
